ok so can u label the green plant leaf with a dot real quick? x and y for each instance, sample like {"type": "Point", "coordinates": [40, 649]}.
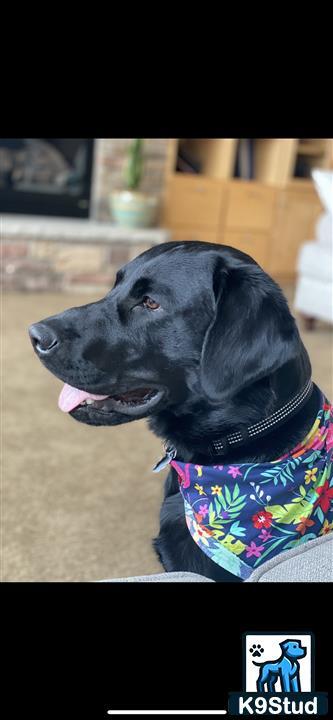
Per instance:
{"type": "Point", "coordinates": [227, 494]}
{"type": "Point", "coordinates": [134, 165]}
{"type": "Point", "coordinates": [300, 541]}
{"type": "Point", "coordinates": [291, 512]}
{"type": "Point", "coordinates": [237, 530]}
{"type": "Point", "coordinates": [222, 501]}
{"type": "Point", "coordinates": [239, 501]}
{"type": "Point", "coordinates": [211, 516]}
{"type": "Point", "coordinates": [276, 510]}
{"type": "Point", "coordinates": [280, 529]}
{"type": "Point", "coordinates": [236, 492]}
{"type": "Point", "coordinates": [319, 514]}
{"type": "Point", "coordinates": [312, 457]}
{"type": "Point", "coordinates": [217, 504]}
{"type": "Point", "coordinates": [270, 473]}
{"type": "Point", "coordinates": [218, 533]}
{"type": "Point", "coordinates": [236, 509]}
{"type": "Point", "coordinates": [288, 473]}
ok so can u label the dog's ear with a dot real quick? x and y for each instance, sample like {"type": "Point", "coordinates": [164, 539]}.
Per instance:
{"type": "Point", "coordinates": [252, 332]}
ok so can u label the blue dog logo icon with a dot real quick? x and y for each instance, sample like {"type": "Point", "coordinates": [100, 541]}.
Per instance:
{"type": "Point", "coordinates": [278, 676]}
{"type": "Point", "coordinates": [285, 668]}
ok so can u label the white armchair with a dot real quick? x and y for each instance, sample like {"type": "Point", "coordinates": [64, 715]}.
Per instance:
{"type": "Point", "coordinates": [314, 287]}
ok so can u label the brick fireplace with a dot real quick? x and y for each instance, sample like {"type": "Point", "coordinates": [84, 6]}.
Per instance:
{"type": "Point", "coordinates": [44, 252]}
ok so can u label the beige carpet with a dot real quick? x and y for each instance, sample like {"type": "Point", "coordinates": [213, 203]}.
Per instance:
{"type": "Point", "coordinates": [80, 503]}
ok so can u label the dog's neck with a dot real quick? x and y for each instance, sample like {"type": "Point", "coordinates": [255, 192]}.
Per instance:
{"type": "Point", "coordinates": [192, 431]}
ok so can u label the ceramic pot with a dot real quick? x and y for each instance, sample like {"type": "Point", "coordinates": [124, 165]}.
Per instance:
{"type": "Point", "coordinates": [133, 209]}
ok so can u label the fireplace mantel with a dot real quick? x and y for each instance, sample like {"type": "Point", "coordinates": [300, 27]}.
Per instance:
{"type": "Point", "coordinates": [65, 254]}
{"type": "Point", "coordinates": [78, 230]}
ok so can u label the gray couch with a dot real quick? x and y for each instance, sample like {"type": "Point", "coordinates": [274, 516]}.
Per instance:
{"type": "Point", "coordinates": [311, 562]}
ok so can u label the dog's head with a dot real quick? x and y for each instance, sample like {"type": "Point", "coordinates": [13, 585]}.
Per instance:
{"type": "Point", "coordinates": [183, 319]}
{"type": "Point", "coordinates": [293, 649]}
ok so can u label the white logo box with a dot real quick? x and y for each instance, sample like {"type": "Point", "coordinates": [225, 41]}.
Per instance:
{"type": "Point", "coordinates": [272, 652]}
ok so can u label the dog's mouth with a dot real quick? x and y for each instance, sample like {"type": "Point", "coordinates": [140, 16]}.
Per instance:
{"type": "Point", "coordinates": [131, 402]}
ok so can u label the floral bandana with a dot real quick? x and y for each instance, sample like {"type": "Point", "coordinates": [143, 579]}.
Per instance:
{"type": "Point", "coordinates": [242, 515]}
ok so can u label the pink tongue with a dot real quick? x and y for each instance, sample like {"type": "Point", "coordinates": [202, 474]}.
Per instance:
{"type": "Point", "coordinates": [70, 398]}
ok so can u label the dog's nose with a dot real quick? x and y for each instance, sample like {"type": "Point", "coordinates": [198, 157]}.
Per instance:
{"type": "Point", "coordinates": [42, 337]}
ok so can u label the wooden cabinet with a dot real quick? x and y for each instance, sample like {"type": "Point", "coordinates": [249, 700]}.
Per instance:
{"type": "Point", "coordinates": [250, 206]}
{"type": "Point", "coordinates": [251, 242]}
{"type": "Point", "coordinates": [195, 233]}
{"type": "Point", "coordinates": [193, 201]}
{"type": "Point", "coordinates": [297, 210]}
{"type": "Point", "coordinates": [270, 224]}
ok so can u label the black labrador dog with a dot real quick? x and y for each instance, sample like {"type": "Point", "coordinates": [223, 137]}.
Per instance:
{"type": "Point", "coordinates": [197, 338]}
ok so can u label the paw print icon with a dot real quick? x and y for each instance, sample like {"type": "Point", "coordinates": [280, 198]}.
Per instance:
{"type": "Point", "coordinates": [256, 650]}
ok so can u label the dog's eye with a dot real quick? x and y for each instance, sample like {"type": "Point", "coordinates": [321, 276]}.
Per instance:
{"type": "Point", "coordinates": [149, 303]}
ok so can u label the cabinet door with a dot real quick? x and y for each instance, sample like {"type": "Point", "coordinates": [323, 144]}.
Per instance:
{"type": "Point", "coordinates": [297, 212]}
{"type": "Point", "coordinates": [250, 206]}
{"type": "Point", "coordinates": [250, 242]}
{"type": "Point", "coordinates": [193, 201]}
{"type": "Point", "coordinates": [193, 233]}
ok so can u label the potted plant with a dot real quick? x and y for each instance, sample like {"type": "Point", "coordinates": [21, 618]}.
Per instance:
{"type": "Point", "coordinates": [131, 208]}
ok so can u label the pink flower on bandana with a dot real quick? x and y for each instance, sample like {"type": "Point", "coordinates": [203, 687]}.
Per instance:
{"type": "Point", "coordinates": [234, 471]}
{"type": "Point", "coordinates": [203, 509]}
{"type": "Point", "coordinates": [254, 549]}
{"type": "Point", "coordinates": [265, 535]}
